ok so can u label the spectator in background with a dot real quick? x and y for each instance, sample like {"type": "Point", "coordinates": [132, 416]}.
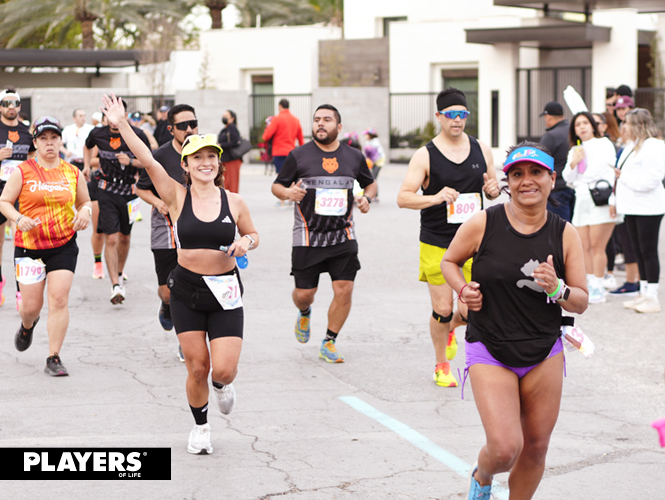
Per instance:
{"type": "Point", "coordinates": [97, 119]}
{"type": "Point", "coordinates": [73, 139]}
{"type": "Point", "coordinates": [374, 151]}
{"type": "Point", "coordinates": [162, 133]}
{"type": "Point", "coordinates": [229, 138]}
{"type": "Point", "coordinates": [621, 108]}
{"type": "Point", "coordinates": [139, 120]}
{"type": "Point", "coordinates": [555, 140]}
{"type": "Point", "coordinates": [284, 130]}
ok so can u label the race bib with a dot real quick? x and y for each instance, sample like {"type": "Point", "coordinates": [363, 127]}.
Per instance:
{"type": "Point", "coordinates": [331, 201]}
{"type": "Point", "coordinates": [226, 290]}
{"type": "Point", "coordinates": [464, 207]}
{"type": "Point", "coordinates": [29, 271]}
{"type": "Point", "coordinates": [133, 208]}
{"type": "Point", "coordinates": [7, 167]}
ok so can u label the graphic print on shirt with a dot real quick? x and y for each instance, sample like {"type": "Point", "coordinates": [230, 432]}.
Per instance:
{"type": "Point", "coordinates": [330, 164]}
{"type": "Point", "coordinates": [528, 269]}
{"type": "Point", "coordinates": [13, 135]}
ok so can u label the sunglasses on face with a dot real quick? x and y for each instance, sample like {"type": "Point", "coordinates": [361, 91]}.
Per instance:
{"type": "Point", "coordinates": [186, 124]}
{"type": "Point", "coordinates": [462, 113]}
{"type": "Point", "coordinates": [43, 119]}
{"type": "Point", "coordinates": [10, 102]}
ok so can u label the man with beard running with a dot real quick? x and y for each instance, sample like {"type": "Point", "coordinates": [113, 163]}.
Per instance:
{"type": "Point", "coordinates": [15, 147]}
{"type": "Point", "coordinates": [182, 123]}
{"type": "Point", "coordinates": [116, 196]}
{"type": "Point", "coordinates": [318, 177]}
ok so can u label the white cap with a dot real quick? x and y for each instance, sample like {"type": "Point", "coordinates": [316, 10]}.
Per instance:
{"type": "Point", "coordinates": [97, 115]}
{"type": "Point", "coordinates": [9, 93]}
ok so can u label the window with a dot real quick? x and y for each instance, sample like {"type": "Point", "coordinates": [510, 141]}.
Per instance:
{"type": "Point", "coordinates": [387, 21]}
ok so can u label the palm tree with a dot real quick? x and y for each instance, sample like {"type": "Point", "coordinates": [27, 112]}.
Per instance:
{"type": "Point", "coordinates": [23, 18]}
{"type": "Point", "coordinates": [216, 7]}
{"type": "Point", "coordinates": [283, 12]}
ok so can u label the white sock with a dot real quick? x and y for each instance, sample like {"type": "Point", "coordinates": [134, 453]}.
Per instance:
{"type": "Point", "coordinates": [652, 291]}
{"type": "Point", "coordinates": [643, 287]}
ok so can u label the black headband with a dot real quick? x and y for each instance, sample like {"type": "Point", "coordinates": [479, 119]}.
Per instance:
{"type": "Point", "coordinates": [452, 99]}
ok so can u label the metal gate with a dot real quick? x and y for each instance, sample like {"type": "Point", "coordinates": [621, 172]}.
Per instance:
{"type": "Point", "coordinates": [261, 106]}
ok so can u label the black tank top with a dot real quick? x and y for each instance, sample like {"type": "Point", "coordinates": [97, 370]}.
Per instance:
{"type": "Point", "coordinates": [193, 233]}
{"type": "Point", "coordinates": [516, 323]}
{"type": "Point", "coordinates": [465, 177]}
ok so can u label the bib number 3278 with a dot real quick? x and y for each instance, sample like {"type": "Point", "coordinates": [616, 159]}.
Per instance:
{"type": "Point", "coordinates": [463, 207]}
{"type": "Point", "coordinates": [331, 201]}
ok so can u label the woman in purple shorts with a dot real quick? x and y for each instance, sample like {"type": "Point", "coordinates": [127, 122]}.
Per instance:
{"type": "Point", "coordinates": [528, 265]}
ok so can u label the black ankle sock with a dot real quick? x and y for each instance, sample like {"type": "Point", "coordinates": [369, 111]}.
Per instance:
{"type": "Point", "coordinates": [307, 311]}
{"type": "Point", "coordinates": [217, 385]}
{"type": "Point", "coordinates": [98, 258]}
{"type": "Point", "coordinates": [330, 335]}
{"type": "Point", "coordinates": [200, 414]}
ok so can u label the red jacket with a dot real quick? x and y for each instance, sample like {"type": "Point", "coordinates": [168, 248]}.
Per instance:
{"type": "Point", "coordinates": [284, 130]}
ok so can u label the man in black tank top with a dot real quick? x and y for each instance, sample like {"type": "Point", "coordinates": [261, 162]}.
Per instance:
{"type": "Point", "coordinates": [453, 170]}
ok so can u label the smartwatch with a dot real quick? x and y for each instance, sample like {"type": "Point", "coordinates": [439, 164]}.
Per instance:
{"type": "Point", "coordinates": [251, 240]}
{"type": "Point", "coordinates": [564, 294]}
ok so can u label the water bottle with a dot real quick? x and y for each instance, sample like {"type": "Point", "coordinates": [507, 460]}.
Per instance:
{"type": "Point", "coordinates": [242, 261]}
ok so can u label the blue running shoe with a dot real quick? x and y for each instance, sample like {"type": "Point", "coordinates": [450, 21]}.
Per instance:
{"type": "Point", "coordinates": [302, 327]}
{"type": "Point", "coordinates": [165, 317]}
{"type": "Point", "coordinates": [329, 352]}
{"type": "Point", "coordinates": [627, 289]}
{"type": "Point", "coordinates": [477, 492]}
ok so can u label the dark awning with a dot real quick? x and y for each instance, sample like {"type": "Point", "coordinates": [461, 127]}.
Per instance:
{"type": "Point", "coordinates": [552, 36]}
{"type": "Point", "coordinates": [642, 6]}
{"type": "Point", "coordinates": [73, 58]}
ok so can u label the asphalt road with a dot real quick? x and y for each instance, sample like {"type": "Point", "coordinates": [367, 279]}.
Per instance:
{"type": "Point", "coordinates": [374, 427]}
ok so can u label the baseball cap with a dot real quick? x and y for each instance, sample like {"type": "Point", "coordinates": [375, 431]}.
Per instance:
{"type": "Point", "coordinates": [369, 131]}
{"type": "Point", "coordinates": [46, 123]}
{"type": "Point", "coordinates": [624, 101]}
{"type": "Point", "coordinates": [164, 109]}
{"type": "Point", "coordinates": [553, 108]}
{"type": "Point", "coordinates": [9, 93]}
{"type": "Point", "coordinates": [624, 90]}
{"type": "Point", "coordinates": [530, 154]}
{"type": "Point", "coordinates": [136, 115]}
{"type": "Point", "coordinates": [195, 142]}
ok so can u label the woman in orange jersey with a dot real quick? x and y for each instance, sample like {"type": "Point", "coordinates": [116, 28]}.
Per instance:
{"type": "Point", "coordinates": [54, 203]}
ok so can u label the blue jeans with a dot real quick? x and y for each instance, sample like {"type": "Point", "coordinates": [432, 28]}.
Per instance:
{"type": "Point", "coordinates": [566, 200]}
{"type": "Point", "coordinates": [278, 161]}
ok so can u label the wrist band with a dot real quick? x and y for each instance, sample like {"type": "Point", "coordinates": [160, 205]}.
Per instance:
{"type": "Point", "coordinates": [369, 200]}
{"type": "Point", "coordinates": [19, 218]}
{"type": "Point", "coordinates": [89, 209]}
{"type": "Point", "coordinates": [460, 294]}
{"type": "Point", "coordinates": [558, 289]}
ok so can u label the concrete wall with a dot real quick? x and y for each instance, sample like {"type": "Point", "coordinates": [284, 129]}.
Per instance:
{"type": "Point", "coordinates": [348, 63]}
{"type": "Point", "coordinates": [210, 104]}
{"type": "Point", "coordinates": [63, 80]}
{"type": "Point", "coordinates": [359, 107]}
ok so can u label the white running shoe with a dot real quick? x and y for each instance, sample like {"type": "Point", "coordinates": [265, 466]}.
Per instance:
{"type": "Point", "coordinates": [597, 295]}
{"type": "Point", "coordinates": [632, 304]}
{"type": "Point", "coordinates": [117, 295]}
{"type": "Point", "coordinates": [199, 440]}
{"type": "Point", "coordinates": [226, 398]}
{"type": "Point", "coordinates": [649, 305]}
{"type": "Point", "coordinates": [609, 281]}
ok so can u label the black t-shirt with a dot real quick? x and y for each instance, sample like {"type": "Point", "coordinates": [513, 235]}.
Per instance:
{"type": "Point", "coordinates": [168, 158]}
{"type": "Point", "coordinates": [115, 177]}
{"type": "Point", "coordinates": [556, 140]}
{"type": "Point", "coordinates": [465, 177]}
{"type": "Point", "coordinates": [162, 134]}
{"type": "Point", "coordinates": [328, 178]}
{"type": "Point", "coordinates": [517, 324]}
{"type": "Point", "coordinates": [22, 144]}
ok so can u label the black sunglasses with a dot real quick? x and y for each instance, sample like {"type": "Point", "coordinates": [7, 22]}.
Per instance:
{"type": "Point", "coordinates": [184, 125]}
{"type": "Point", "coordinates": [10, 102]}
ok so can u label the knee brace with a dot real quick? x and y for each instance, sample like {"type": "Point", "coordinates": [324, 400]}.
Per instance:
{"type": "Point", "coordinates": [442, 319]}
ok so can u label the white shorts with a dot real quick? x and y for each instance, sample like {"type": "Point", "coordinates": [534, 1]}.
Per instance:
{"type": "Point", "coordinates": [586, 213]}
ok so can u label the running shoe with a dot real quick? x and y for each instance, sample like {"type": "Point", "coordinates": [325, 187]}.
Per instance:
{"type": "Point", "coordinates": [54, 366]}
{"type": "Point", "coordinates": [98, 271]}
{"type": "Point", "coordinates": [329, 352]}
{"type": "Point", "coordinates": [139, 217]}
{"type": "Point", "coordinates": [609, 281]}
{"type": "Point", "coordinates": [443, 377]}
{"type": "Point", "coordinates": [19, 299]}
{"type": "Point", "coordinates": [632, 304]}
{"type": "Point", "coordinates": [117, 295]}
{"type": "Point", "coordinates": [2, 287]}
{"type": "Point", "coordinates": [226, 398]}
{"type": "Point", "coordinates": [23, 337]}
{"type": "Point", "coordinates": [124, 276]}
{"type": "Point", "coordinates": [181, 356]}
{"type": "Point", "coordinates": [302, 327]}
{"type": "Point", "coordinates": [477, 492]}
{"type": "Point", "coordinates": [451, 348]}
{"type": "Point", "coordinates": [597, 295]}
{"type": "Point", "coordinates": [627, 289]}
{"type": "Point", "coordinates": [8, 232]}
{"type": "Point", "coordinates": [648, 305]}
{"type": "Point", "coordinates": [165, 317]}
{"type": "Point", "coordinates": [199, 440]}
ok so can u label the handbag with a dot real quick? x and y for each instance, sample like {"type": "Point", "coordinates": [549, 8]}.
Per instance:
{"type": "Point", "coordinates": [243, 147]}
{"type": "Point", "coordinates": [601, 192]}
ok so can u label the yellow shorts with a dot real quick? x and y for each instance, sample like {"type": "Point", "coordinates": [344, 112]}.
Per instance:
{"type": "Point", "coordinates": [430, 265]}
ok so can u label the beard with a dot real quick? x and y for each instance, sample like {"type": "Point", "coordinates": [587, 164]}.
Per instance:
{"type": "Point", "coordinates": [330, 136]}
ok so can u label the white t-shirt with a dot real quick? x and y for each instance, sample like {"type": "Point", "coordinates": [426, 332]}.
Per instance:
{"type": "Point", "coordinates": [73, 138]}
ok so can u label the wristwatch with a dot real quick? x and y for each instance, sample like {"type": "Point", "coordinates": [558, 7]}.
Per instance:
{"type": "Point", "coordinates": [251, 240]}
{"type": "Point", "coordinates": [369, 200]}
{"type": "Point", "coordinates": [564, 294]}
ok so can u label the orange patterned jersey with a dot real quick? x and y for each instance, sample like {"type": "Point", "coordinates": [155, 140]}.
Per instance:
{"type": "Point", "coordinates": [47, 194]}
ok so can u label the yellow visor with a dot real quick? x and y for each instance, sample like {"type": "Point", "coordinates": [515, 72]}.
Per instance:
{"type": "Point", "coordinates": [195, 142]}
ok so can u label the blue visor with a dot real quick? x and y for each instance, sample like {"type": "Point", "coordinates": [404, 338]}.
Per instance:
{"type": "Point", "coordinates": [529, 154]}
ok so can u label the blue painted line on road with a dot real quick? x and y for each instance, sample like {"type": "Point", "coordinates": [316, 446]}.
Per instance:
{"type": "Point", "coordinates": [414, 437]}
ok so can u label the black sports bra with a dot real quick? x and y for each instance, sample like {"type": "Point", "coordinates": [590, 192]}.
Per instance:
{"type": "Point", "coordinates": [191, 233]}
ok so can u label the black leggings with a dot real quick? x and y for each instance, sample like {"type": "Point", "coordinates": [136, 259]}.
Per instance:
{"type": "Point", "coordinates": [643, 232]}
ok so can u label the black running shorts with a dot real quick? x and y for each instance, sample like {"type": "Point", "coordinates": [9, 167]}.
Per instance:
{"type": "Point", "coordinates": [113, 213]}
{"type": "Point", "coordinates": [165, 261]}
{"type": "Point", "coordinates": [54, 259]}
{"type": "Point", "coordinates": [340, 261]}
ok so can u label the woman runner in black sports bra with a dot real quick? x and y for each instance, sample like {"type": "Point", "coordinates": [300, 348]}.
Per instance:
{"type": "Point", "coordinates": [205, 285]}
{"type": "Point", "coordinates": [528, 265]}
